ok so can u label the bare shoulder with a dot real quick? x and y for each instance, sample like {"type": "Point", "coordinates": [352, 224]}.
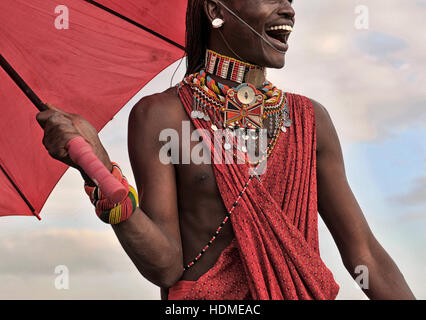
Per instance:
{"type": "Point", "coordinates": [158, 111]}
{"type": "Point", "coordinates": [326, 132]}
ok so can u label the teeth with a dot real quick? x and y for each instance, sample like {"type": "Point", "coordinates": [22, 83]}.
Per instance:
{"type": "Point", "coordinates": [282, 27]}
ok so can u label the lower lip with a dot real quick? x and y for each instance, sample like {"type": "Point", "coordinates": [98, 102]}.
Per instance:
{"type": "Point", "coordinates": [281, 46]}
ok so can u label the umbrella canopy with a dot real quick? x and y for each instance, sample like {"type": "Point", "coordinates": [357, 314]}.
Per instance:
{"type": "Point", "coordinates": [111, 49]}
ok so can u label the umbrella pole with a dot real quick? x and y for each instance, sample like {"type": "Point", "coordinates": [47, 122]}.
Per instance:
{"type": "Point", "coordinates": [79, 150]}
{"type": "Point", "coordinates": [22, 84]}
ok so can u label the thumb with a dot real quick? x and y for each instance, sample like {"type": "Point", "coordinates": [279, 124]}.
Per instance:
{"type": "Point", "coordinates": [52, 107]}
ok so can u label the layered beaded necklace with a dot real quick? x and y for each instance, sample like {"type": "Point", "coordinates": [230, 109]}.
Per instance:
{"type": "Point", "coordinates": [247, 105]}
{"type": "Point", "coordinates": [240, 112]}
{"type": "Point", "coordinates": [243, 107]}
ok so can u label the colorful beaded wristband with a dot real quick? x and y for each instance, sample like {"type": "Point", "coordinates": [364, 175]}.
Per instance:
{"type": "Point", "coordinates": [108, 211]}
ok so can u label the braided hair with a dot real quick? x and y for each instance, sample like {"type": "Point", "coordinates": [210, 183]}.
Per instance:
{"type": "Point", "coordinates": [197, 35]}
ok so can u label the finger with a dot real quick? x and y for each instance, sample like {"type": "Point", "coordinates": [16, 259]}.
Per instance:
{"type": "Point", "coordinates": [43, 116]}
{"type": "Point", "coordinates": [53, 119]}
{"type": "Point", "coordinates": [56, 146]}
{"type": "Point", "coordinates": [54, 132]}
{"type": "Point", "coordinates": [58, 135]}
{"type": "Point", "coordinates": [59, 154]}
{"type": "Point", "coordinates": [57, 120]}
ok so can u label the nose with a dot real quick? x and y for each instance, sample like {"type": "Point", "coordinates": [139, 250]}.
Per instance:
{"type": "Point", "coordinates": [287, 10]}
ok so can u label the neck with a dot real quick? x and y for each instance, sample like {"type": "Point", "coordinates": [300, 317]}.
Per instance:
{"type": "Point", "coordinates": [217, 43]}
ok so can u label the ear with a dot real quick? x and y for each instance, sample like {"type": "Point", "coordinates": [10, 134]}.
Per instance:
{"type": "Point", "coordinates": [212, 10]}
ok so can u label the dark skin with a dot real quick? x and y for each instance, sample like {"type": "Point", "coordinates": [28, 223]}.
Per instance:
{"type": "Point", "coordinates": [180, 205]}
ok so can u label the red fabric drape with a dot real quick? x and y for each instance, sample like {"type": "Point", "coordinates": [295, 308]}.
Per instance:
{"type": "Point", "coordinates": [225, 280]}
{"type": "Point", "coordinates": [93, 68]}
{"type": "Point", "coordinates": [276, 224]}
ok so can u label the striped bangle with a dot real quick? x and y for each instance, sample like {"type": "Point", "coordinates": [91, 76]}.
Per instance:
{"type": "Point", "coordinates": [106, 210]}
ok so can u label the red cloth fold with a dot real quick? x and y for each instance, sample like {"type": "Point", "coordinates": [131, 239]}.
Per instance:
{"type": "Point", "coordinates": [276, 221]}
{"type": "Point", "coordinates": [225, 280]}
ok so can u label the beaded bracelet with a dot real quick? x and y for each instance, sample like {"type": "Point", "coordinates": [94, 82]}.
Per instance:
{"type": "Point", "coordinates": [108, 211]}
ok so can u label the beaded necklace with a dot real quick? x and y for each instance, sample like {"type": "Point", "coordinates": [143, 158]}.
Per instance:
{"type": "Point", "coordinates": [209, 95]}
{"type": "Point", "coordinates": [208, 105]}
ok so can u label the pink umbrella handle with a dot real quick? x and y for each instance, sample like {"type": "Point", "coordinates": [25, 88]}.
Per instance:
{"type": "Point", "coordinates": [81, 153]}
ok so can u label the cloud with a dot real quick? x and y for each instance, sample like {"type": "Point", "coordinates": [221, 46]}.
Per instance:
{"type": "Point", "coordinates": [98, 266]}
{"type": "Point", "coordinates": [415, 197]}
{"type": "Point", "coordinates": [81, 250]}
{"type": "Point", "coordinates": [81, 287]}
{"type": "Point", "coordinates": [380, 44]}
{"type": "Point", "coordinates": [369, 80]}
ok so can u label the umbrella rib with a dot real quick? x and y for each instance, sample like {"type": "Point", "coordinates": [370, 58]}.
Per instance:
{"type": "Point", "coordinates": [36, 101]}
{"type": "Point", "coordinates": [115, 13]}
{"type": "Point", "coordinates": [20, 193]}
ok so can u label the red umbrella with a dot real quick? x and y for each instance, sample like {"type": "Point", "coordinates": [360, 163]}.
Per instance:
{"type": "Point", "coordinates": [109, 51]}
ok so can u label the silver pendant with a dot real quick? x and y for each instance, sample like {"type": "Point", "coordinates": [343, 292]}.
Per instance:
{"type": "Point", "coordinates": [246, 95]}
{"type": "Point", "coordinates": [287, 123]}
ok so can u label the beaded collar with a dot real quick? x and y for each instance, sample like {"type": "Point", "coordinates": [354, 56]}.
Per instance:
{"type": "Point", "coordinates": [230, 68]}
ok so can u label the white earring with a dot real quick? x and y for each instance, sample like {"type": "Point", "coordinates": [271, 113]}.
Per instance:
{"type": "Point", "coordinates": [217, 23]}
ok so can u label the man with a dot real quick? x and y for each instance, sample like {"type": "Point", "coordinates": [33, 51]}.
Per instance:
{"type": "Point", "coordinates": [269, 248]}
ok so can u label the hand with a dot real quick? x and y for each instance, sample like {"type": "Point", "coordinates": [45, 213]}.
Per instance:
{"type": "Point", "coordinates": [60, 127]}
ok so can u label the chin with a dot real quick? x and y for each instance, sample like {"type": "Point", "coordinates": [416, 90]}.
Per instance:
{"type": "Point", "coordinates": [273, 59]}
{"type": "Point", "coordinates": [277, 62]}
{"type": "Point", "coordinates": [270, 59]}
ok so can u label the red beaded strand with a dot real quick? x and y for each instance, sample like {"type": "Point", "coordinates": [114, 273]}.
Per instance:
{"type": "Point", "coordinates": [228, 215]}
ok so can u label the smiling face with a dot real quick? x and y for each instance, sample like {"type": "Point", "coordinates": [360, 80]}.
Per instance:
{"type": "Point", "coordinates": [273, 19]}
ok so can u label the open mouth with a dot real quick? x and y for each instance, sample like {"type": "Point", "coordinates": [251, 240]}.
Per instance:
{"type": "Point", "coordinates": [278, 35]}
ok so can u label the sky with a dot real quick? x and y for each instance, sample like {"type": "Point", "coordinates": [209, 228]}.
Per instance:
{"type": "Point", "coordinates": [372, 81]}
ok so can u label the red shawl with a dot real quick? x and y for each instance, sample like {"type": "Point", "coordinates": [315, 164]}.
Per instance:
{"type": "Point", "coordinates": [275, 252]}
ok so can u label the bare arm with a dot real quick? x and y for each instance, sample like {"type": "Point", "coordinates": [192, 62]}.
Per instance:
{"type": "Point", "coordinates": [151, 237]}
{"type": "Point", "coordinates": [346, 222]}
